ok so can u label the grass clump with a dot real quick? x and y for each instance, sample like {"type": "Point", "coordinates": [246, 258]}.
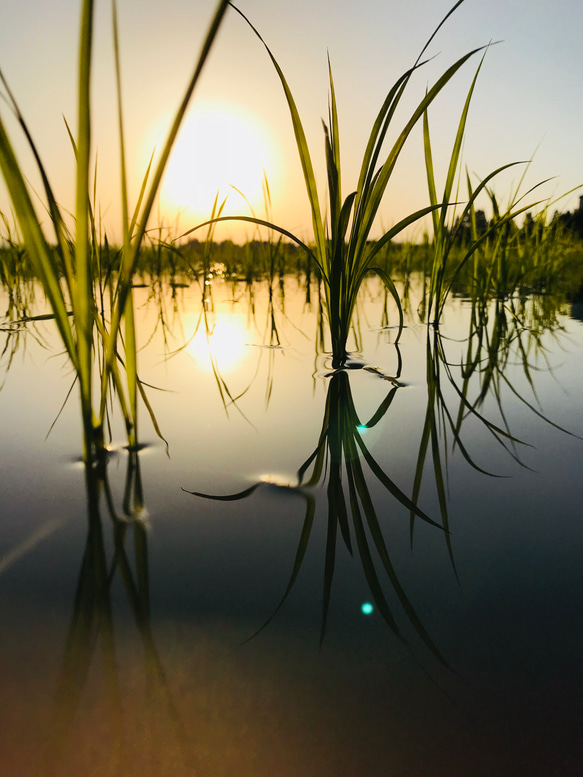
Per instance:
{"type": "Point", "coordinates": [67, 274]}
{"type": "Point", "coordinates": [342, 249]}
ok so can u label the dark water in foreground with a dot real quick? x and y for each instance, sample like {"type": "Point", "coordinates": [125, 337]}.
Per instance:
{"type": "Point", "coordinates": [126, 645]}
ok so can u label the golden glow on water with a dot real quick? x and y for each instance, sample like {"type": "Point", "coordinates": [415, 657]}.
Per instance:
{"type": "Point", "coordinates": [223, 346]}
{"type": "Point", "coordinates": [217, 149]}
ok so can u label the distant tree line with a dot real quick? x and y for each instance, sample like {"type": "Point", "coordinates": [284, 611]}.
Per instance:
{"type": "Point", "coordinates": [572, 221]}
{"type": "Point", "coordinates": [560, 222]}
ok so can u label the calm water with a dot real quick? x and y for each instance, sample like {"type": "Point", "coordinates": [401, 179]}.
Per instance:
{"type": "Point", "coordinates": [470, 662]}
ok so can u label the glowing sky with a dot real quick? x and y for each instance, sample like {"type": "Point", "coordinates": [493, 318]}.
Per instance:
{"type": "Point", "coordinates": [528, 96]}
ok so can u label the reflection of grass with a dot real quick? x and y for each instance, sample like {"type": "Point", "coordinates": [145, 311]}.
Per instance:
{"type": "Point", "coordinates": [504, 339]}
{"type": "Point", "coordinates": [501, 337]}
{"type": "Point", "coordinates": [342, 460]}
{"type": "Point", "coordinates": [91, 639]}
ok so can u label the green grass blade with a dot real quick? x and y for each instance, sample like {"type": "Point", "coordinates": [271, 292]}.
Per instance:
{"type": "Point", "coordinates": [377, 192]}
{"type": "Point", "coordinates": [302, 145]}
{"type": "Point", "coordinates": [61, 233]}
{"type": "Point", "coordinates": [38, 250]}
{"type": "Point", "coordinates": [123, 175]}
{"type": "Point", "coordinates": [130, 258]}
{"type": "Point", "coordinates": [457, 147]}
{"type": "Point", "coordinates": [83, 302]}
{"type": "Point", "coordinates": [430, 175]}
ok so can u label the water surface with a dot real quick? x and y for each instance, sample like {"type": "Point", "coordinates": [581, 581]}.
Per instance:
{"type": "Point", "coordinates": [145, 644]}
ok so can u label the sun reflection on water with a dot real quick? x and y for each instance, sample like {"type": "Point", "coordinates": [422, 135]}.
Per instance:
{"type": "Point", "coordinates": [222, 346]}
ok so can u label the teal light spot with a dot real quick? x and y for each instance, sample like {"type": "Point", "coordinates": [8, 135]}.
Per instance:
{"type": "Point", "coordinates": [362, 428]}
{"type": "Point", "coordinates": [367, 608]}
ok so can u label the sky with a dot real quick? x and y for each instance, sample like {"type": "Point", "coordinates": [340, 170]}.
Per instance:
{"type": "Point", "coordinates": [527, 103]}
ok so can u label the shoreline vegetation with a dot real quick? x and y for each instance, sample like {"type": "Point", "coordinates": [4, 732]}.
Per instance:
{"type": "Point", "coordinates": [542, 261]}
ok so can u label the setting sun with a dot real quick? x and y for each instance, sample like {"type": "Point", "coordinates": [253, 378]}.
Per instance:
{"type": "Point", "coordinates": [218, 148]}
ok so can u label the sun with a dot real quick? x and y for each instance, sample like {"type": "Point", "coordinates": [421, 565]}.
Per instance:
{"type": "Point", "coordinates": [218, 148]}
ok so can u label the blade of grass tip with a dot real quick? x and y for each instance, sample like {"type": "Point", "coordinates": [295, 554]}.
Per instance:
{"type": "Point", "coordinates": [266, 192]}
{"type": "Point", "coordinates": [337, 502]}
{"type": "Point", "coordinates": [377, 192]}
{"type": "Point", "coordinates": [457, 147]}
{"type": "Point", "coordinates": [388, 282]}
{"type": "Point", "coordinates": [71, 137]}
{"type": "Point", "coordinates": [534, 409]}
{"type": "Point", "coordinates": [336, 201]}
{"type": "Point", "coordinates": [334, 131]}
{"type": "Point", "coordinates": [382, 409]}
{"type": "Point", "coordinates": [152, 415]}
{"type": "Point", "coordinates": [439, 26]}
{"type": "Point", "coordinates": [497, 432]}
{"type": "Point", "coordinates": [430, 175]}
{"type": "Point", "coordinates": [441, 486]}
{"type": "Point", "coordinates": [382, 122]}
{"type": "Point", "coordinates": [318, 457]}
{"type": "Point", "coordinates": [123, 177]}
{"type": "Point", "coordinates": [392, 487]}
{"type": "Point", "coordinates": [130, 341]}
{"type": "Point", "coordinates": [428, 423]}
{"type": "Point", "coordinates": [302, 145]}
{"type": "Point", "coordinates": [368, 179]}
{"type": "Point", "coordinates": [227, 497]}
{"type": "Point", "coordinates": [384, 118]}
{"type": "Point", "coordinates": [245, 199]}
{"type": "Point", "coordinates": [63, 404]}
{"type": "Point", "coordinates": [420, 466]}
{"type": "Point", "coordinates": [298, 560]}
{"type": "Point", "coordinates": [142, 194]}
{"type": "Point", "coordinates": [474, 193]}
